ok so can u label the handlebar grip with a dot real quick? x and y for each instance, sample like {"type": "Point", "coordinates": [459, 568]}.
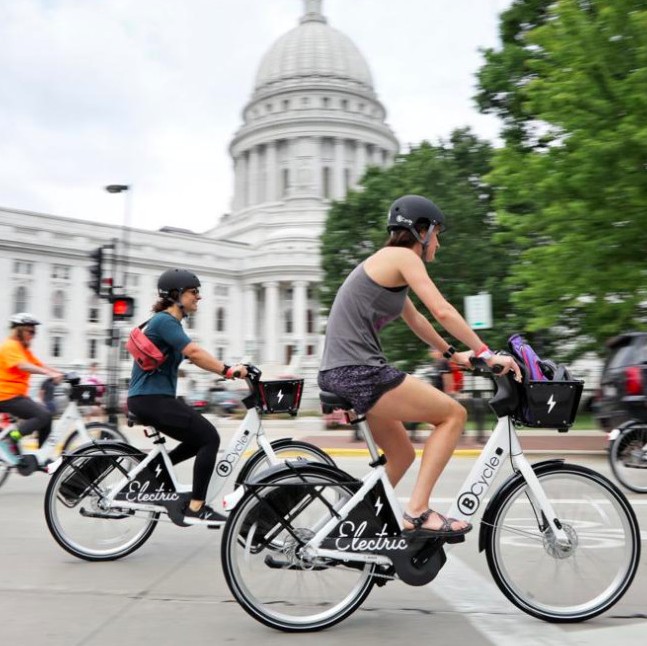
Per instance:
{"type": "Point", "coordinates": [497, 369]}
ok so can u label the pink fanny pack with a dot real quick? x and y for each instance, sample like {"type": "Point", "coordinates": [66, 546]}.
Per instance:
{"type": "Point", "coordinates": [145, 353]}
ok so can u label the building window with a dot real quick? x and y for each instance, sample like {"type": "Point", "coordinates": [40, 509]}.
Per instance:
{"type": "Point", "coordinates": [58, 304]}
{"type": "Point", "coordinates": [286, 104]}
{"type": "Point", "coordinates": [220, 319]}
{"type": "Point", "coordinates": [325, 102]}
{"type": "Point", "coordinates": [288, 321]}
{"type": "Point", "coordinates": [190, 321]}
{"type": "Point", "coordinates": [22, 267]}
{"type": "Point", "coordinates": [360, 107]}
{"type": "Point", "coordinates": [310, 350]}
{"type": "Point", "coordinates": [93, 348]}
{"type": "Point", "coordinates": [344, 104]}
{"type": "Point", "coordinates": [60, 272]}
{"type": "Point", "coordinates": [124, 355]}
{"type": "Point", "coordinates": [20, 299]}
{"type": "Point", "coordinates": [325, 181]}
{"type": "Point", "coordinates": [93, 310]}
{"type": "Point", "coordinates": [285, 181]}
{"type": "Point", "coordinates": [268, 107]}
{"type": "Point", "coordinates": [220, 353]}
{"type": "Point", "coordinates": [221, 290]}
{"type": "Point", "coordinates": [305, 101]}
{"type": "Point", "coordinates": [57, 346]}
{"type": "Point", "coordinates": [310, 323]}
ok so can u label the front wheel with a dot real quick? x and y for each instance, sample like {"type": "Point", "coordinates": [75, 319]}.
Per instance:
{"type": "Point", "coordinates": [628, 457]}
{"type": "Point", "coordinates": [4, 471]}
{"type": "Point", "coordinates": [564, 582]}
{"type": "Point", "coordinates": [284, 450]}
{"type": "Point", "coordinates": [78, 514]}
{"type": "Point", "coordinates": [264, 561]}
{"type": "Point", "coordinates": [95, 431]}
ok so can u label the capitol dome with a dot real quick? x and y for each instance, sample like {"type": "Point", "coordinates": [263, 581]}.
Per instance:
{"type": "Point", "coordinates": [313, 50]}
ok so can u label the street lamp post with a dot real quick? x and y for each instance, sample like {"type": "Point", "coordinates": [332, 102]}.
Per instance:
{"type": "Point", "coordinates": [115, 332]}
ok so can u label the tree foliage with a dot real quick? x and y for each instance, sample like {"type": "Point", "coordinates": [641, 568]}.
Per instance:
{"type": "Point", "coordinates": [451, 174]}
{"type": "Point", "coordinates": [573, 198]}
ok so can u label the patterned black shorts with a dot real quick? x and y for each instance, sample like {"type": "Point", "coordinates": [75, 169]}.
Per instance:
{"type": "Point", "coordinates": [362, 386]}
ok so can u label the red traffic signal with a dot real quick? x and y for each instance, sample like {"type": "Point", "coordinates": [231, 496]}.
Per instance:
{"type": "Point", "coordinates": [123, 307]}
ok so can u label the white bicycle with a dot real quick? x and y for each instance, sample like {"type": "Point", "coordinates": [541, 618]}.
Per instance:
{"type": "Point", "coordinates": [307, 543]}
{"type": "Point", "coordinates": [105, 500]}
{"type": "Point", "coordinates": [70, 426]}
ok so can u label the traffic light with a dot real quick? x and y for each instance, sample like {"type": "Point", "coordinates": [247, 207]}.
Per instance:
{"type": "Point", "coordinates": [123, 308]}
{"type": "Point", "coordinates": [96, 270]}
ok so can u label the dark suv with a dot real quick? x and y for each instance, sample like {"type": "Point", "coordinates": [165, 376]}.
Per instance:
{"type": "Point", "coordinates": [623, 387]}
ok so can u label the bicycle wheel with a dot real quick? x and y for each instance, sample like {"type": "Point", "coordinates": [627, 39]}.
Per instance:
{"type": "Point", "coordinates": [4, 472]}
{"type": "Point", "coordinates": [284, 450]}
{"type": "Point", "coordinates": [264, 566]}
{"type": "Point", "coordinates": [628, 458]}
{"type": "Point", "coordinates": [77, 515]}
{"type": "Point", "coordinates": [96, 431]}
{"type": "Point", "coordinates": [564, 583]}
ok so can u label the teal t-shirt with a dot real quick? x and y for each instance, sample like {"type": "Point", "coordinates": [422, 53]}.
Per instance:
{"type": "Point", "coordinates": [167, 333]}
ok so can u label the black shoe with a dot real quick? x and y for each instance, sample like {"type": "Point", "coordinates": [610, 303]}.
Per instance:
{"type": "Point", "coordinates": [204, 516]}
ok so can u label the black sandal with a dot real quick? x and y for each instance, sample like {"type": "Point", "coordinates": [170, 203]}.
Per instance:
{"type": "Point", "coordinates": [444, 531]}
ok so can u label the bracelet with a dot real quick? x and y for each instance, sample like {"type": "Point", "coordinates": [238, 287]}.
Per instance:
{"type": "Point", "coordinates": [225, 368]}
{"type": "Point", "coordinates": [451, 351]}
{"type": "Point", "coordinates": [484, 353]}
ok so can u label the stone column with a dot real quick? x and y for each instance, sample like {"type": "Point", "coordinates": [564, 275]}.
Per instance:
{"type": "Point", "coordinates": [253, 175]}
{"type": "Point", "coordinates": [360, 161]}
{"type": "Point", "coordinates": [299, 309]}
{"type": "Point", "coordinates": [338, 170]}
{"type": "Point", "coordinates": [271, 172]}
{"type": "Point", "coordinates": [239, 183]}
{"type": "Point", "coordinates": [271, 321]}
{"type": "Point", "coordinates": [250, 314]}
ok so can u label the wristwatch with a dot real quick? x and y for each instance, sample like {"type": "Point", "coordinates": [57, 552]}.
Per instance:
{"type": "Point", "coordinates": [451, 350]}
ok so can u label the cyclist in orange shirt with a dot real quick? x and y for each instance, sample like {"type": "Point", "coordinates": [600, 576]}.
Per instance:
{"type": "Point", "coordinates": [17, 364]}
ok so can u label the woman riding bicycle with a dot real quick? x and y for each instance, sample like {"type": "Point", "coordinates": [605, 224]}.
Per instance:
{"type": "Point", "coordinates": [152, 395]}
{"type": "Point", "coordinates": [354, 367]}
{"type": "Point", "coordinates": [17, 365]}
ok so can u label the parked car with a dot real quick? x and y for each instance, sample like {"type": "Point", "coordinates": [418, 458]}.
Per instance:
{"type": "Point", "coordinates": [199, 400]}
{"type": "Point", "coordinates": [623, 386]}
{"type": "Point", "coordinates": [226, 402]}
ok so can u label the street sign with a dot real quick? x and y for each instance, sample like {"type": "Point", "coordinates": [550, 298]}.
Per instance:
{"type": "Point", "coordinates": [478, 311]}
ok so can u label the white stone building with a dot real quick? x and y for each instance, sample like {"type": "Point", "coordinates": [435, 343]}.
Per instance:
{"type": "Point", "coordinates": [310, 129]}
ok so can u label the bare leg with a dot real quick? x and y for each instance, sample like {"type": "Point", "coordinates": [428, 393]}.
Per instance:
{"type": "Point", "coordinates": [416, 400]}
{"type": "Point", "coordinates": [391, 436]}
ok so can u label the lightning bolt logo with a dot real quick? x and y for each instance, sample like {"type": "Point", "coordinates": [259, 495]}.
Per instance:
{"type": "Point", "coordinates": [280, 396]}
{"type": "Point", "coordinates": [158, 470]}
{"type": "Point", "coordinates": [378, 506]}
{"type": "Point", "coordinates": [551, 403]}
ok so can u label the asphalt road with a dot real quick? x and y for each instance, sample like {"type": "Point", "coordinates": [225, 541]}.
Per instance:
{"type": "Point", "coordinates": [172, 590]}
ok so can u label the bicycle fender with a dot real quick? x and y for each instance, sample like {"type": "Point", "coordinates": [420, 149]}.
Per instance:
{"type": "Point", "coordinates": [617, 431]}
{"type": "Point", "coordinates": [500, 495]}
{"type": "Point", "coordinates": [296, 467]}
{"type": "Point", "coordinates": [104, 446]}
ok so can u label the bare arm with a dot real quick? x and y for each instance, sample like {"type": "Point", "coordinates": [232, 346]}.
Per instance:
{"type": "Point", "coordinates": [421, 327]}
{"type": "Point", "coordinates": [207, 361]}
{"type": "Point", "coordinates": [40, 370]}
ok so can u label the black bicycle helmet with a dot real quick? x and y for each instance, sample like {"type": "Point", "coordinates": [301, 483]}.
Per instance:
{"type": "Point", "coordinates": [176, 279]}
{"type": "Point", "coordinates": [411, 210]}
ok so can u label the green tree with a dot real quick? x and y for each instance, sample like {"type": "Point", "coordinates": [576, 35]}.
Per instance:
{"type": "Point", "coordinates": [575, 202]}
{"type": "Point", "coordinates": [451, 173]}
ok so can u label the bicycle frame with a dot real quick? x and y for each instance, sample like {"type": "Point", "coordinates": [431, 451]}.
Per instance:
{"type": "Point", "coordinates": [502, 443]}
{"type": "Point", "coordinates": [59, 426]}
{"type": "Point", "coordinates": [250, 427]}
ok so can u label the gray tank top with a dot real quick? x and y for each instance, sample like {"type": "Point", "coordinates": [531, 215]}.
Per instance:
{"type": "Point", "coordinates": [360, 310]}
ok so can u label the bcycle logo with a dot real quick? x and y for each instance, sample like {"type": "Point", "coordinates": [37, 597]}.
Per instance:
{"type": "Point", "coordinates": [469, 501]}
{"type": "Point", "coordinates": [225, 466]}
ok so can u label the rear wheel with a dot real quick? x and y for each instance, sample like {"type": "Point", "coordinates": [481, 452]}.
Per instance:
{"type": "Point", "coordinates": [628, 457]}
{"type": "Point", "coordinates": [571, 581]}
{"type": "Point", "coordinates": [266, 566]}
{"type": "Point", "coordinates": [78, 515]}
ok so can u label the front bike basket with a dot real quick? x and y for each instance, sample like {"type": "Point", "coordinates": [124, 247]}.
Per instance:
{"type": "Point", "coordinates": [84, 395]}
{"type": "Point", "coordinates": [282, 396]}
{"type": "Point", "coordinates": [549, 404]}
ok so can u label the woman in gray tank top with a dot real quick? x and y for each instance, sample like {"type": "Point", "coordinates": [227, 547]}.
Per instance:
{"type": "Point", "coordinates": [354, 366]}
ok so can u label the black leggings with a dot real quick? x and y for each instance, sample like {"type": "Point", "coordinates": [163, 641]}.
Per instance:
{"type": "Point", "coordinates": [33, 416]}
{"type": "Point", "coordinates": [197, 436]}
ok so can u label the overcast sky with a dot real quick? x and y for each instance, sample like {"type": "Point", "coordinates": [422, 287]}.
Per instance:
{"type": "Point", "coordinates": [149, 93]}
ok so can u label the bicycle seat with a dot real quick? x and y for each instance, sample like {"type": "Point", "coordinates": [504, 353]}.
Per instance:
{"type": "Point", "coordinates": [331, 402]}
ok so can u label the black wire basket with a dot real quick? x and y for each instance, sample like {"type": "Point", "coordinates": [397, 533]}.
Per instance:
{"type": "Point", "coordinates": [281, 396]}
{"type": "Point", "coordinates": [549, 404]}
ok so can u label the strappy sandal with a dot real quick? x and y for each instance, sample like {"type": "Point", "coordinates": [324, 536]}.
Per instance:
{"type": "Point", "coordinates": [444, 531]}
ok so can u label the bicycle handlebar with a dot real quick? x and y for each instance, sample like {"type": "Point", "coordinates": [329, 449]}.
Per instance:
{"type": "Point", "coordinates": [482, 366]}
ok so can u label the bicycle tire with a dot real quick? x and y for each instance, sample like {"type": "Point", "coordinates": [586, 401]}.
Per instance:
{"type": "Point", "coordinates": [262, 565]}
{"type": "Point", "coordinates": [5, 470]}
{"type": "Point", "coordinates": [79, 524]}
{"type": "Point", "coordinates": [97, 431]}
{"type": "Point", "coordinates": [284, 449]}
{"type": "Point", "coordinates": [628, 457]}
{"type": "Point", "coordinates": [556, 583]}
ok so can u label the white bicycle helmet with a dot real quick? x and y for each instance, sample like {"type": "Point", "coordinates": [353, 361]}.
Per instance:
{"type": "Point", "coordinates": [23, 318]}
